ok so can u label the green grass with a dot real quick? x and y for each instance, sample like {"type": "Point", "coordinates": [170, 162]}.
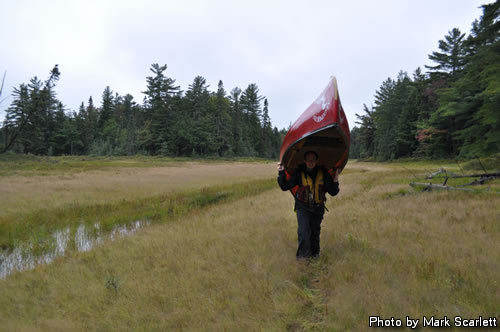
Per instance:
{"type": "Point", "coordinates": [491, 164]}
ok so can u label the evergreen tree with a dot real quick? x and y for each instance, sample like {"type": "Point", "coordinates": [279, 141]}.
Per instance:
{"type": "Point", "coordinates": [393, 118]}
{"type": "Point", "coordinates": [60, 142]}
{"type": "Point", "coordinates": [485, 31]}
{"type": "Point", "coordinates": [443, 122]}
{"type": "Point", "coordinates": [385, 117]}
{"type": "Point", "coordinates": [92, 120]}
{"type": "Point", "coordinates": [452, 57]}
{"type": "Point", "coordinates": [201, 133]}
{"type": "Point", "coordinates": [126, 112]}
{"type": "Point", "coordinates": [355, 148]}
{"type": "Point", "coordinates": [145, 139]}
{"type": "Point", "coordinates": [266, 149]}
{"type": "Point", "coordinates": [33, 138]}
{"type": "Point", "coordinates": [222, 122]}
{"type": "Point", "coordinates": [16, 118]}
{"type": "Point", "coordinates": [73, 144]}
{"type": "Point", "coordinates": [29, 120]}
{"type": "Point", "coordinates": [470, 105]}
{"type": "Point", "coordinates": [158, 108]}
{"type": "Point", "coordinates": [106, 111]}
{"type": "Point", "coordinates": [278, 136]}
{"type": "Point", "coordinates": [365, 134]}
{"type": "Point", "coordinates": [237, 121]}
{"type": "Point", "coordinates": [87, 122]}
{"type": "Point", "coordinates": [250, 103]}
{"type": "Point", "coordinates": [413, 102]}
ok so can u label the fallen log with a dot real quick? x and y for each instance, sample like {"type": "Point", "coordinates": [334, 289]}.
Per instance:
{"type": "Point", "coordinates": [431, 186]}
{"type": "Point", "coordinates": [453, 175]}
{"type": "Point", "coordinates": [439, 172]}
{"type": "Point", "coordinates": [493, 175]}
{"type": "Point", "coordinates": [480, 181]}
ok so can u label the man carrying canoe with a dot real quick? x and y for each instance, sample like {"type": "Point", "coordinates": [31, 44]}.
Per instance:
{"type": "Point", "coordinates": [313, 183]}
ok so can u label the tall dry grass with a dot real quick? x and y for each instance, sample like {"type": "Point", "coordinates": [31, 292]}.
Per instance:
{"type": "Point", "coordinates": [24, 194]}
{"type": "Point", "coordinates": [34, 206]}
{"type": "Point", "coordinates": [386, 250]}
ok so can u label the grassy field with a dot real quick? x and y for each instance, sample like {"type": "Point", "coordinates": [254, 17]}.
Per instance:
{"type": "Point", "coordinates": [387, 250]}
{"type": "Point", "coordinates": [36, 201]}
{"type": "Point", "coordinates": [30, 183]}
{"type": "Point", "coordinates": [28, 165]}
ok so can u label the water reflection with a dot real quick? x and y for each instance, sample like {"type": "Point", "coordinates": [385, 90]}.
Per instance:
{"type": "Point", "coordinates": [85, 238]}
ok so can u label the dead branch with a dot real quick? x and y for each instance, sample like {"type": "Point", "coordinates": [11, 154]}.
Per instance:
{"type": "Point", "coordinates": [440, 171]}
{"type": "Point", "coordinates": [452, 175]}
{"type": "Point", "coordinates": [480, 181]}
{"type": "Point", "coordinates": [495, 175]}
{"type": "Point", "coordinates": [430, 187]}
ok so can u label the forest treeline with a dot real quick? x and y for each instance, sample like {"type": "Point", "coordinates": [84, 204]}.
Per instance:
{"type": "Point", "coordinates": [451, 110]}
{"type": "Point", "coordinates": [169, 121]}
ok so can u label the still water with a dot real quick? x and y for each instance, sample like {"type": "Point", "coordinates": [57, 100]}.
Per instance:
{"type": "Point", "coordinates": [85, 238]}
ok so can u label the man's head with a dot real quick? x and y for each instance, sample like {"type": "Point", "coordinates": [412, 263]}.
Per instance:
{"type": "Point", "coordinates": [310, 158]}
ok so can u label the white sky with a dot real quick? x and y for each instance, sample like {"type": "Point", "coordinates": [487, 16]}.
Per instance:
{"type": "Point", "coordinates": [289, 48]}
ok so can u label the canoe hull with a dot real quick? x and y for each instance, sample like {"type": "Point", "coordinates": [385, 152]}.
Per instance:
{"type": "Point", "coordinates": [322, 128]}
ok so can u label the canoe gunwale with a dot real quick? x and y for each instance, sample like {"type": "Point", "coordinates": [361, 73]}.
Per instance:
{"type": "Point", "coordinates": [329, 126]}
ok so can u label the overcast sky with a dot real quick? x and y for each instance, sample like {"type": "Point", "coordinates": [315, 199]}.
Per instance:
{"type": "Point", "coordinates": [289, 48]}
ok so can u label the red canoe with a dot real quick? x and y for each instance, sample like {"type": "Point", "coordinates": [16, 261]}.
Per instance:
{"type": "Point", "coordinates": [322, 128]}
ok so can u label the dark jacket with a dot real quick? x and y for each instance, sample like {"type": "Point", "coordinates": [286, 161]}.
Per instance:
{"type": "Point", "coordinates": [330, 186]}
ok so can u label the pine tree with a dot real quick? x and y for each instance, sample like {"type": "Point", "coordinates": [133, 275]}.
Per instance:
{"type": "Point", "coordinates": [385, 118]}
{"type": "Point", "coordinates": [126, 113]}
{"type": "Point", "coordinates": [250, 103]}
{"type": "Point", "coordinates": [267, 133]}
{"type": "Point", "coordinates": [237, 121]}
{"type": "Point", "coordinates": [355, 148]}
{"type": "Point", "coordinates": [470, 105]}
{"type": "Point", "coordinates": [365, 134]}
{"type": "Point", "coordinates": [222, 122]}
{"type": "Point", "coordinates": [485, 31]}
{"type": "Point", "coordinates": [16, 117]}
{"type": "Point", "coordinates": [92, 120]}
{"type": "Point", "coordinates": [201, 133]}
{"type": "Point", "coordinates": [278, 136]}
{"type": "Point", "coordinates": [33, 135]}
{"type": "Point", "coordinates": [158, 108]}
{"type": "Point", "coordinates": [106, 110]}
{"type": "Point", "coordinates": [60, 144]}
{"type": "Point", "coordinates": [393, 118]}
{"type": "Point", "coordinates": [29, 121]}
{"type": "Point", "coordinates": [73, 144]}
{"type": "Point", "coordinates": [87, 122]}
{"type": "Point", "coordinates": [82, 135]}
{"type": "Point", "coordinates": [452, 57]}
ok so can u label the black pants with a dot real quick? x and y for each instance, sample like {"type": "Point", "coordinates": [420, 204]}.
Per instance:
{"type": "Point", "coordinates": [309, 227]}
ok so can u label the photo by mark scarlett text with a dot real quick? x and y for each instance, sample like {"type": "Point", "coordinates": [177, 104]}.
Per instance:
{"type": "Point", "coordinates": [432, 321]}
